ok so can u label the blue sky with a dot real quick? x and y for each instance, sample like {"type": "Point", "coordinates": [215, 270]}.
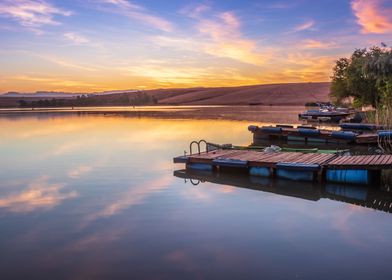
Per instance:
{"type": "Point", "coordinates": [96, 45]}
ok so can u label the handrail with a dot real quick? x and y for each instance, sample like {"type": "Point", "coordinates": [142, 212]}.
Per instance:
{"type": "Point", "coordinates": [190, 147]}
{"type": "Point", "coordinates": [198, 146]}
{"type": "Point", "coordinates": [205, 142]}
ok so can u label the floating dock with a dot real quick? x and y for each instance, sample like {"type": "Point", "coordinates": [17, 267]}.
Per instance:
{"type": "Point", "coordinates": [358, 135]}
{"type": "Point", "coordinates": [293, 165]}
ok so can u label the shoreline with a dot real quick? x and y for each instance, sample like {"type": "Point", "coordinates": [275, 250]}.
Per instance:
{"type": "Point", "coordinates": [268, 114]}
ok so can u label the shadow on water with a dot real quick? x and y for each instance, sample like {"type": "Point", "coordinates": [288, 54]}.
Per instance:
{"type": "Point", "coordinates": [375, 197]}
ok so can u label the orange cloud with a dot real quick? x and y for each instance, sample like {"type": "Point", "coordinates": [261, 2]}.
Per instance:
{"type": "Point", "coordinates": [226, 40]}
{"type": "Point", "coordinates": [372, 16]}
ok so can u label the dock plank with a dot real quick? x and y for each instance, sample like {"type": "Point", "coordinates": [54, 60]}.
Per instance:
{"type": "Point", "coordinates": [362, 162]}
{"type": "Point", "coordinates": [256, 158]}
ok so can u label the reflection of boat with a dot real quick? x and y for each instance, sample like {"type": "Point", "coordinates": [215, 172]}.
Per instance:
{"type": "Point", "coordinates": [325, 114]}
{"type": "Point", "coordinates": [370, 197]}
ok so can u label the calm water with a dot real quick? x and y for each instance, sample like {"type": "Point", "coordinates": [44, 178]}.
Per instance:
{"type": "Point", "coordinates": [95, 197]}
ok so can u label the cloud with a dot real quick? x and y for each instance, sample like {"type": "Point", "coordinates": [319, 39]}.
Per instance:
{"type": "Point", "coordinates": [76, 38]}
{"type": "Point", "coordinates": [308, 25]}
{"type": "Point", "coordinates": [40, 194]}
{"type": "Point", "coordinates": [315, 44]}
{"type": "Point", "coordinates": [139, 13]}
{"type": "Point", "coordinates": [372, 16]}
{"type": "Point", "coordinates": [53, 81]}
{"type": "Point", "coordinates": [220, 35]}
{"type": "Point", "coordinates": [32, 13]}
{"type": "Point", "coordinates": [194, 11]}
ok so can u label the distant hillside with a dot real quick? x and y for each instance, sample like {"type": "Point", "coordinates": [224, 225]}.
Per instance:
{"type": "Point", "coordinates": [273, 94]}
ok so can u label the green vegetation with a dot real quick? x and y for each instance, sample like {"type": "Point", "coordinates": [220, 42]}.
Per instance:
{"type": "Point", "coordinates": [122, 99]}
{"type": "Point", "coordinates": [366, 77]}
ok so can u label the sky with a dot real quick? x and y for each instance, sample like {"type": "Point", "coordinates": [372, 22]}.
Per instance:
{"type": "Point", "coordinates": [99, 45]}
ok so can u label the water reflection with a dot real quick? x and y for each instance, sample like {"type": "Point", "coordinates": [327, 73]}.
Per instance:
{"type": "Point", "coordinates": [94, 197]}
{"type": "Point", "coordinates": [39, 194]}
{"type": "Point", "coordinates": [374, 197]}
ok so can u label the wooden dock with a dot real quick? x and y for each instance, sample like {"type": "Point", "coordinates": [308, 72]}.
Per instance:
{"type": "Point", "coordinates": [361, 162]}
{"type": "Point", "coordinates": [293, 165]}
{"type": "Point", "coordinates": [263, 159]}
{"type": "Point", "coordinates": [311, 135]}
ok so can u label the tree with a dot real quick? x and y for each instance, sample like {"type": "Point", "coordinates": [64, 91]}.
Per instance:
{"type": "Point", "coordinates": [22, 103]}
{"type": "Point", "coordinates": [366, 76]}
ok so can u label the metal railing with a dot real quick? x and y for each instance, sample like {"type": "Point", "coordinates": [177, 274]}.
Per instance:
{"type": "Point", "coordinates": [198, 146]}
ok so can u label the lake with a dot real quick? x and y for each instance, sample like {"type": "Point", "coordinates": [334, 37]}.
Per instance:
{"type": "Point", "coordinates": [93, 196]}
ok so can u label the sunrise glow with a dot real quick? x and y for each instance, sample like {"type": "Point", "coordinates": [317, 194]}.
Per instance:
{"type": "Point", "coordinates": [97, 45]}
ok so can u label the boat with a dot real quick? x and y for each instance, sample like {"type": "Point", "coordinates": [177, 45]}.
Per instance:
{"type": "Point", "coordinates": [325, 114]}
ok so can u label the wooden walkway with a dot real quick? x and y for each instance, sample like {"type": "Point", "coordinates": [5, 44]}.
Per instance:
{"type": "Point", "coordinates": [254, 158]}
{"type": "Point", "coordinates": [364, 169]}
{"type": "Point", "coordinates": [361, 162]}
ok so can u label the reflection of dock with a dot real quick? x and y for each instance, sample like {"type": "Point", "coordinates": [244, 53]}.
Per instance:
{"type": "Point", "coordinates": [293, 165]}
{"type": "Point", "coordinates": [369, 197]}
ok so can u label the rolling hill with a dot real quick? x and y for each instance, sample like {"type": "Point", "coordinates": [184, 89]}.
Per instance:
{"type": "Point", "coordinates": [270, 94]}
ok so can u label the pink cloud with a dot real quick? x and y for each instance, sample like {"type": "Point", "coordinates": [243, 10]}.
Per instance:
{"type": "Point", "coordinates": [308, 25]}
{"type": "Point", "coordinates": [32, 13]}
{"type": "Point", "coordinates": [139, 13]}
{"type": "Point", "coordinates": [372, 16]}
{"type": "Point", "coordinates": [224, 39]}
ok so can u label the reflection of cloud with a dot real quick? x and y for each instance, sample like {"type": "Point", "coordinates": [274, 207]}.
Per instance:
{"type": "Point", "coordinates": [372, 16]}
{"type": "Point", "coordinates": [135, 195]}
{"type": "Point", "coordinates": [79, 171]}
{"type": "Point", "coordinates": [66, 148]}
{"type": "Point", "coordinates": [342, 224]}
{"type": "Point", "coordinates": [56, 127]}
{"type": "Point", "coordinates": [40, 194]}
{"type": "Point", "coordinates": [181, 258]}
{"type": "Point", "coordinates": [83, 169]}
{"type": "Point", "coordinates": [227, 189]}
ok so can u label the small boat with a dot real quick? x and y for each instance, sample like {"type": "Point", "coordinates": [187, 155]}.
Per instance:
{"type": "Point", "coordinates": [325, 114]}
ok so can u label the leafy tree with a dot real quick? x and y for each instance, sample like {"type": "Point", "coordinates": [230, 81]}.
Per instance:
{"type": "Point", "coordinates": [366, 76]}
{"type": "Point", "coordinates": [22, 103]}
